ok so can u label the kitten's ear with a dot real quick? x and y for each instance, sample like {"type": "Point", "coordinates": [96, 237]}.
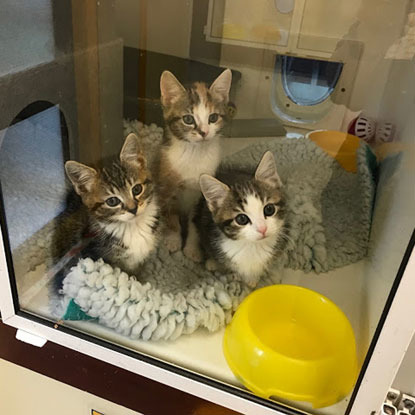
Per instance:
{"type": "Point", "coordinates": [83, 178]}
{"type": "Point", "coordinates": [266, 171]}
{"type": "Point", "coordinates": [171, 89]}
{"type": "Point", "coordinates": [131, 152]}
{"type": "Point", "coordinates": [222, 85]}
{"type": "Point", "coordinates": [214, 191]}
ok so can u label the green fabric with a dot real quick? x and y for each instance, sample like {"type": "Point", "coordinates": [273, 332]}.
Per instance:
{"type": "Point", "coordinates": [74, 312]}
{"type": "Point", "coordinates": [371, 161]}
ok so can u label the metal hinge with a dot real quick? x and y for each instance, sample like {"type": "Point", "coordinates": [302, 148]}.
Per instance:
{"type": "Point", "coordinates": [398, 403]}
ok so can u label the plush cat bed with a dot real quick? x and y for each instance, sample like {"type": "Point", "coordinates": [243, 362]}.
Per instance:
{"type": "Point", "coordinates": [329, 215]}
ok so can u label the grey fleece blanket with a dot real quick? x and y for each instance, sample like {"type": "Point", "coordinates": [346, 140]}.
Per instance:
{"type": "Point", "coordinates": [328, 213]}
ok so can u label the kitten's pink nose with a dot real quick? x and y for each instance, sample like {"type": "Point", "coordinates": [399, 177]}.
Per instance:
{"type": "Point", "coordinates": [262, 229]}
{"type": "Point", "coordinates": [204, 131]}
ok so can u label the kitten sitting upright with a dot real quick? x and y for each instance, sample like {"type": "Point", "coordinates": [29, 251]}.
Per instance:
{"type": "Point", "coordinates": [243, 220]}
{"type": "Point", "coordinates": [194, 118]}
{"type": "Point", "coordinates": [120, 206]}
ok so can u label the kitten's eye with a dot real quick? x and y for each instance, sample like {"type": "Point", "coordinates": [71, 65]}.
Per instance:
{"type": "Point", "coordinates": [213, 118]}
{"type": "Point", "coordinates": [113, 201]}
{"type": "Point", "coordinates": [188, 119]}
{"type": "Point", "coordinates": [137, 189]}
{"type": "Point", "coordinates": [242, 219]}
{"type": "Point", "coordinates": [269, 210]}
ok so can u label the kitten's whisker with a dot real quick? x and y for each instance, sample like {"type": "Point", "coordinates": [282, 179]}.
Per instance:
{"type": "Point", "coordinates": [287, 238]}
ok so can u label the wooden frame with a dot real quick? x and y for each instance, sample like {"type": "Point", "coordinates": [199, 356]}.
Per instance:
{"type": "Point", "coordinates": [86, 68]}
{"type": "Point", "coordinates": [97, 55]}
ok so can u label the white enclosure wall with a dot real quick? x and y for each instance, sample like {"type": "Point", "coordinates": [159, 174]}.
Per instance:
{"type": "Point", "coordinates": [393, 220]}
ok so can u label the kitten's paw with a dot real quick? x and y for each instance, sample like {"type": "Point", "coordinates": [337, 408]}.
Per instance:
{"type": "Point", "coordinates": [251, 282]}
{"type": "Point", "coordinates": [211, 265]}
{"type": "Point", "coordinates": [193, 252]}
{"type": "Point", "coordinates": [173, 242]}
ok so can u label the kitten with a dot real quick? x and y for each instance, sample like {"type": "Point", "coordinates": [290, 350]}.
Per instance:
{"type": "Point", "coordinates": [243, 220]}
{"type": "Point", "coordinates": [120, 206]}
{"type": "Point", "coordinates": [194, 118]}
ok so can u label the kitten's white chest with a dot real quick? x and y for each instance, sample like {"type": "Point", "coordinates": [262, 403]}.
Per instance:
{"type": "Point", "coordinates": [139, 241]}
{"type": "Point", "coordinates": [191, 160]}
{"type": "Point", "coordinates": [137, 236]}
{"type": "Point", "coordinates": [248, 259]}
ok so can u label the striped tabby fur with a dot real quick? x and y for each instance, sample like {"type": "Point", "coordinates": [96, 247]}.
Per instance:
{"type": "Point", "coordinates": [242, 220]}
{"type": "Point", "coordinates": [119, 207]}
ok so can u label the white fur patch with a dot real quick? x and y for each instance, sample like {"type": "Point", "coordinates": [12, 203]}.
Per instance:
{"type": "Point", "coordinates": [201, 114]}
{"type": "Point", "coordinates": [191, 160]}
{"type": "Point", "coordinates": [137, 235]}
{"type": "Point", "coordinates": [249, 258]}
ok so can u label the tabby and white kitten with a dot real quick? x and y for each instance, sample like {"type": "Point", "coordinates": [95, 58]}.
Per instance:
{"type": "Point", "coordinates": [243, 220]}
{"type": "Point", "coordinates": [194, 118]}
{"type": "Point", "coordinates": [121, 206]}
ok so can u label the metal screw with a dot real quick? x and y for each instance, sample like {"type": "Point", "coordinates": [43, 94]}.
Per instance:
{"type": "Point", "coordinates": [391, 396]}
{"type": "Point", "coordinates": [408, 404]}
{"type": "Point", "coordinates": [389, 410]}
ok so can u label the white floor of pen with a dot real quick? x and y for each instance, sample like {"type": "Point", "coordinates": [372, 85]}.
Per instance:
{"type": "Point", "coordinates": [201, 352]}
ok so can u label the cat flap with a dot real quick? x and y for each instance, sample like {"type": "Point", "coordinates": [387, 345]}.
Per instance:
{"type": "Point", "coordinates": [266, 171]}
{"type": "Point", "coordinates": [214, 191]}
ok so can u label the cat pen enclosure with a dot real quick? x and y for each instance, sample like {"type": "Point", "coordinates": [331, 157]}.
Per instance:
{"type": "Point", "coordinates": [88, 73]}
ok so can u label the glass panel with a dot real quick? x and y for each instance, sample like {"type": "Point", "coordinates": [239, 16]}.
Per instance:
{"type": "Point", "coordinates": [148, 186]}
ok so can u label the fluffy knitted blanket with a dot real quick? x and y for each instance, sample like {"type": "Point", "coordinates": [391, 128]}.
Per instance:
{"type": "Point", "coordinates": [328, 213]}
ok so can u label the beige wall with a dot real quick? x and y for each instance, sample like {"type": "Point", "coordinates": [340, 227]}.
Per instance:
{"type": "Point", "coordinates": [379, 24]}
{"type": "Point", "coordinates": [375, 23]}
{"type": "Point", "coordinates": [155, 25]}
{"type": "Point", "coordinates": [165, 27]}
{"type": "Point", "coordinates": [23, 392]}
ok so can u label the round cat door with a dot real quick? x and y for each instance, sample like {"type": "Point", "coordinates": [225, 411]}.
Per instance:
{"type": "Point", "coordinates": [303, 88]}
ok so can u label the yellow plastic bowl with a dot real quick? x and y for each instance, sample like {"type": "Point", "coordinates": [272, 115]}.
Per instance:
{"type": "Point", "coordinates": [292, 343]}
{"type": "Point", "coordinates": [341, 146]}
